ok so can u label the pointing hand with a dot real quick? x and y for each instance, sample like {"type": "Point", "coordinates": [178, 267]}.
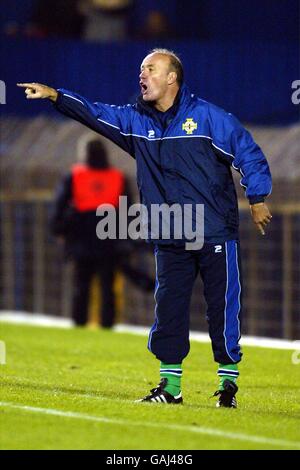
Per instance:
{"type": "Point", "coordinates": [35, 91]}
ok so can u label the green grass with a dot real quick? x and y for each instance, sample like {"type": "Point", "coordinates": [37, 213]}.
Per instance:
{"type": "Point", "coordinates": [98, 374]}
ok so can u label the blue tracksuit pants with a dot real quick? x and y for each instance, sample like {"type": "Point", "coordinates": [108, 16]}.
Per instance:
{"type": "Point", "coordinates": [176, 271]}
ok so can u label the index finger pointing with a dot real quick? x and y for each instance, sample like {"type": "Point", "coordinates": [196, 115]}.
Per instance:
{"type": "Point", "coordinates": [26, 85]}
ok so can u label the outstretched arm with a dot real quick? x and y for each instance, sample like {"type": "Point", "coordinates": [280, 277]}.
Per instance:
{"type": "Point", "coordinates": [35, 91]}
{"type": "Point", "coordinates": [113, 122]}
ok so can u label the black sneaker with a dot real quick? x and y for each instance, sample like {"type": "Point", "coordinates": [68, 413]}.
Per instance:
{"type": "Point", "coordinates": [159, 395]}
{"type": "Point", "coordinates": [227, 396]}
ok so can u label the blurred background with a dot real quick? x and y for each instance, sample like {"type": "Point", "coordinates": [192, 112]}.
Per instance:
{"type": "Point", "coordinates": [240, 55]}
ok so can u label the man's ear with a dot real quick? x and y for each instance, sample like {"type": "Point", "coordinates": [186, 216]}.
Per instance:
{"type": "Point", "coordinates": [172, 77]}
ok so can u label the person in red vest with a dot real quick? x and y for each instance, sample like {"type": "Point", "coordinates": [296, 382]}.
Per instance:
{"type": "Point", "coordinates": [80, 193]}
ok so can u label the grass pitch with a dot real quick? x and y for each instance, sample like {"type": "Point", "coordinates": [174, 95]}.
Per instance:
{"type": "Point", "coordinates": [74, 389]}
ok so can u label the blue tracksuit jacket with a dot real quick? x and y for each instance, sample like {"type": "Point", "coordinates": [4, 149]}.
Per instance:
{"type": "Point", "coordinates": [187, 159]}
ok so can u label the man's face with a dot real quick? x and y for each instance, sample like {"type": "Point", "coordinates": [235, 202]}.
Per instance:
{"type": "Point", "coordinates": [155, 76]}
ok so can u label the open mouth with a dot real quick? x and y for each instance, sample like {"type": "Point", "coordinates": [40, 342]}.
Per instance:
{"type": "Point", "coordinates": [143, 88]}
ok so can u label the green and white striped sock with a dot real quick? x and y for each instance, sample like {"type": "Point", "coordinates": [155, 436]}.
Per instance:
{"type": "Point", "coordinates": [173, 373]}
{"type": "Point", "coordinates": [227, 372]}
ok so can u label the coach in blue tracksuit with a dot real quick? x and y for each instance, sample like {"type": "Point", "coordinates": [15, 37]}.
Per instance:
{"type": "Point", "coordinates": [184, 149]}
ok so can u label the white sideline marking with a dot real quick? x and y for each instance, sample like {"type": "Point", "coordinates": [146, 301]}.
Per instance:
{"type": "Point", "coordinates": [256, 341]}
{"type": "Point", "coordinates": [32, 319]}
{"type": "Point", "coordinates": [24, 318]}
{"type": "Point", "coordinates": [172, 427]}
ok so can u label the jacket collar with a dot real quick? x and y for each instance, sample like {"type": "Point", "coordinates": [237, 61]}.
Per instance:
{"type": "Point", "coordinates": [182, 100]}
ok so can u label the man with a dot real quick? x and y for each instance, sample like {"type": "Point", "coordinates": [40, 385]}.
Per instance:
{"type": "Point", "coordinates": [82, 190]}
{"type": "Point", "coordinates": [79, 194]}
{"type": "Point", "coordinates": [184, 148]}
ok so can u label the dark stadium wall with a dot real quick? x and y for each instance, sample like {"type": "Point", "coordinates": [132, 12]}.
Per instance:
{"type": "Point", "coordinates": [201, 19]}
{"type": "Point", "coordinates": [251, 79]}
{"type": "Point", "coordinates": [238, 20]}
{"type": "Point", "coordinates": [15, 10]}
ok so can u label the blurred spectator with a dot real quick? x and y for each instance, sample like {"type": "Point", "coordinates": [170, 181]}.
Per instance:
{"type": "Point", "coordinates": [156, 26]}
{"type": "Point", "coordinates": [74, 221]}
{"type": "Point", "coordinates": [80, 193]}
{"type": "Point", "coordinates": [105, 20]}
{"type": "Point", "coordinates": [60, 18]}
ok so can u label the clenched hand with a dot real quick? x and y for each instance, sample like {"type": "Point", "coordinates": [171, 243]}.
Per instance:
{"type": "Point", "coordinates": [35, 91]}
{"type": "Point", "coordinates": [261, 216]}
